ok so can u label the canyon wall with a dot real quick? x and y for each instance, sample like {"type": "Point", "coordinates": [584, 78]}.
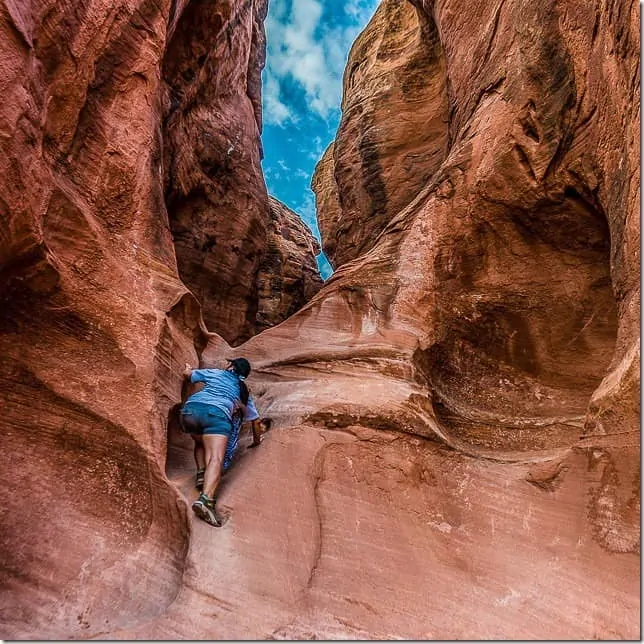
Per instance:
{"type": "Point", "coordinates": [110, 111]}
{"type": "Point", "coordinates": [455, 452]}
{"type": "Point", "coordinates": [288, 275]}
{"type": "Point", "coordinates": [214, 187]}
{"type": "Point", "coordinates": [511, 273]}
{"type": "Point", "coordinates": [463, 394]}
{"type": "Point", "coordinates": [222, 220]}
{"type": "Point", "coordinates": [94, 321]}
{"type": "Point", "coordinates": [392, 136]}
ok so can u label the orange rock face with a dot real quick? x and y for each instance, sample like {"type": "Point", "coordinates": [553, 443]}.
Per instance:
{"type": "Point", "coordinates": [456, 444]}
{"type": "Point", "coordinates": [393, 134]}
{"type": "Point", "coordinates": [489, 327]}
{"type": "Point", "coordinates": [288, 276]}
{"type": "Point", "coordinates": [101, 101]}
{"type": "Point", "coordinates": [507, 280]}
{"type": "Point", "coordinates": [223, 223]}
{"type": "Point", "coordinates": [215, 192]}
{"type": "Point", "coordinates": [94, 322]}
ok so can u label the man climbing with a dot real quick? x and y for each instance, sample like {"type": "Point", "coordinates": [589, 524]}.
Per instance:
{"type": "Point", "coordinates": [208, 417]}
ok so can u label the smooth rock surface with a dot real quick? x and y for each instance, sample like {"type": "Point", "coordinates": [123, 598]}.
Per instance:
{"type": "Point", "coordinates": [456, 444]}
{"type": "Point", "coordinates": [372, 534]}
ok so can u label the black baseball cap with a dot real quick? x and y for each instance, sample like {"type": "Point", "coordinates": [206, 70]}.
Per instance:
{"type": "Point", "coordinates": [241, 367]}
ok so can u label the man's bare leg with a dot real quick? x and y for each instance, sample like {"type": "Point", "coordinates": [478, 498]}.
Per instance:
{"type": "Point", "coordinates": [200, 461]}
{"type": "Point", "coordinates": [215, 447]}
{"type": "Point", "coordinates": [204, 506]}
{"type": "Point", "coordinates": [199, 452]}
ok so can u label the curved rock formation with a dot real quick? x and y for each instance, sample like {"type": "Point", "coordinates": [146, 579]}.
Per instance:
{"type": "Point", "coordinates": [496, 316]}
{"type": "Point", "coordinates": [288, 275]}
{"type": "Point", "coordinates": [95, 324]}
{"type": "Point", "coordinates": [393, 133]}
{"type": "Point", "coordinates": [215, 192]}
{"type": "Point", "coordinates": [502, 281]}
{"type": "Point", "coordinates": [456, 446]}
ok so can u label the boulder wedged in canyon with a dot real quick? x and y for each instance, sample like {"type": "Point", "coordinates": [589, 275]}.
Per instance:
{"type": "Point", "coordinates": [456, 444]}
{"type": "Point", "coordinates": [288, 276]}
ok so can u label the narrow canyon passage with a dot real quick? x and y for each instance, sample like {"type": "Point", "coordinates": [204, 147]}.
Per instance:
{"type": "Point", "coordinates": [455, 547]}
{"type": "Point", "coordinates": [484, 314]}
{"type": "Point", "coordinates": [432, 452]}
{"type": "Point", "coordinates": [456, 443]}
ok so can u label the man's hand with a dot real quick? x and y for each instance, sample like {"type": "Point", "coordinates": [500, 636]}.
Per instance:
{"type": "Point", "coordinates": [187, 372]}
{"type": "Point", "coordinates": [255, 443]}
{"type": "Point", "coordinates": [260, 427]}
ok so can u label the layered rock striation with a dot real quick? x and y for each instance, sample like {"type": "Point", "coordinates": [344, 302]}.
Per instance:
{"type": "Point", "coordinates": [456, 444]}
{"type": "Point", "coordinates": [393, 133]}
{"type": "Point", "coordinates": [491, 317]}
{"type": "Point", "coordinates": [110, 111]}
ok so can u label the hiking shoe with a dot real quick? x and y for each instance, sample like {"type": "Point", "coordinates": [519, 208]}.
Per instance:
{"type": "Point", "coordinates": [204, 508]}
{"type": "Point", "coordinates": [199, 479]}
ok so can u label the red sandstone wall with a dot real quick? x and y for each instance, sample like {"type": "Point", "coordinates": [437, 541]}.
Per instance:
{"type": "Point", "coordinates": [111, 111]}
{"type": "Point", "coordinates": [456, 449]}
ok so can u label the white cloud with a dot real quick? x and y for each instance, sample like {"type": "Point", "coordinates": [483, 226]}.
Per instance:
{"type": "Point", "coordinates": [275, 111]}
{"type": "Point", "coordinates": [306, 210]}
{"type": "Point", "coordinates": [361, 10]}
{"type": "Point", "coordinates": [316, 148]}
{"type": "Point", "coordinates": [310, 53]}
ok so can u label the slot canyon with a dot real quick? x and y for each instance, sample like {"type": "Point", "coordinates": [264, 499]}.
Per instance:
{"type": "Point", "coordinates": [455, 450]}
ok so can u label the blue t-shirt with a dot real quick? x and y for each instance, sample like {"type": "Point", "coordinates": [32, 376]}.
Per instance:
{"type": "Point", "coordinates": [222, 391]}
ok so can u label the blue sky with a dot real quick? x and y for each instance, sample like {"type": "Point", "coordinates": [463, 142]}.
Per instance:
{"type": "Point", "coordinates": [308, 42]}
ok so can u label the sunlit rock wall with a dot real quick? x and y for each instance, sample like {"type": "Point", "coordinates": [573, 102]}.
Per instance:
{"type": "Point", "coordinates": [490, 319]}
{"type": "Point", "coordinates": [393, 133]}
{"type": "Point", "coordinates": [456, 444]}
{"type": "Point", "coordinates": [510, 265]}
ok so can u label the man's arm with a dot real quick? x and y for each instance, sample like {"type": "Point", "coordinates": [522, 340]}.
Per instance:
{"type": "Point", "coordinates": [260, 426]}
{"type": "Point", "coordinates": [257, 432]}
